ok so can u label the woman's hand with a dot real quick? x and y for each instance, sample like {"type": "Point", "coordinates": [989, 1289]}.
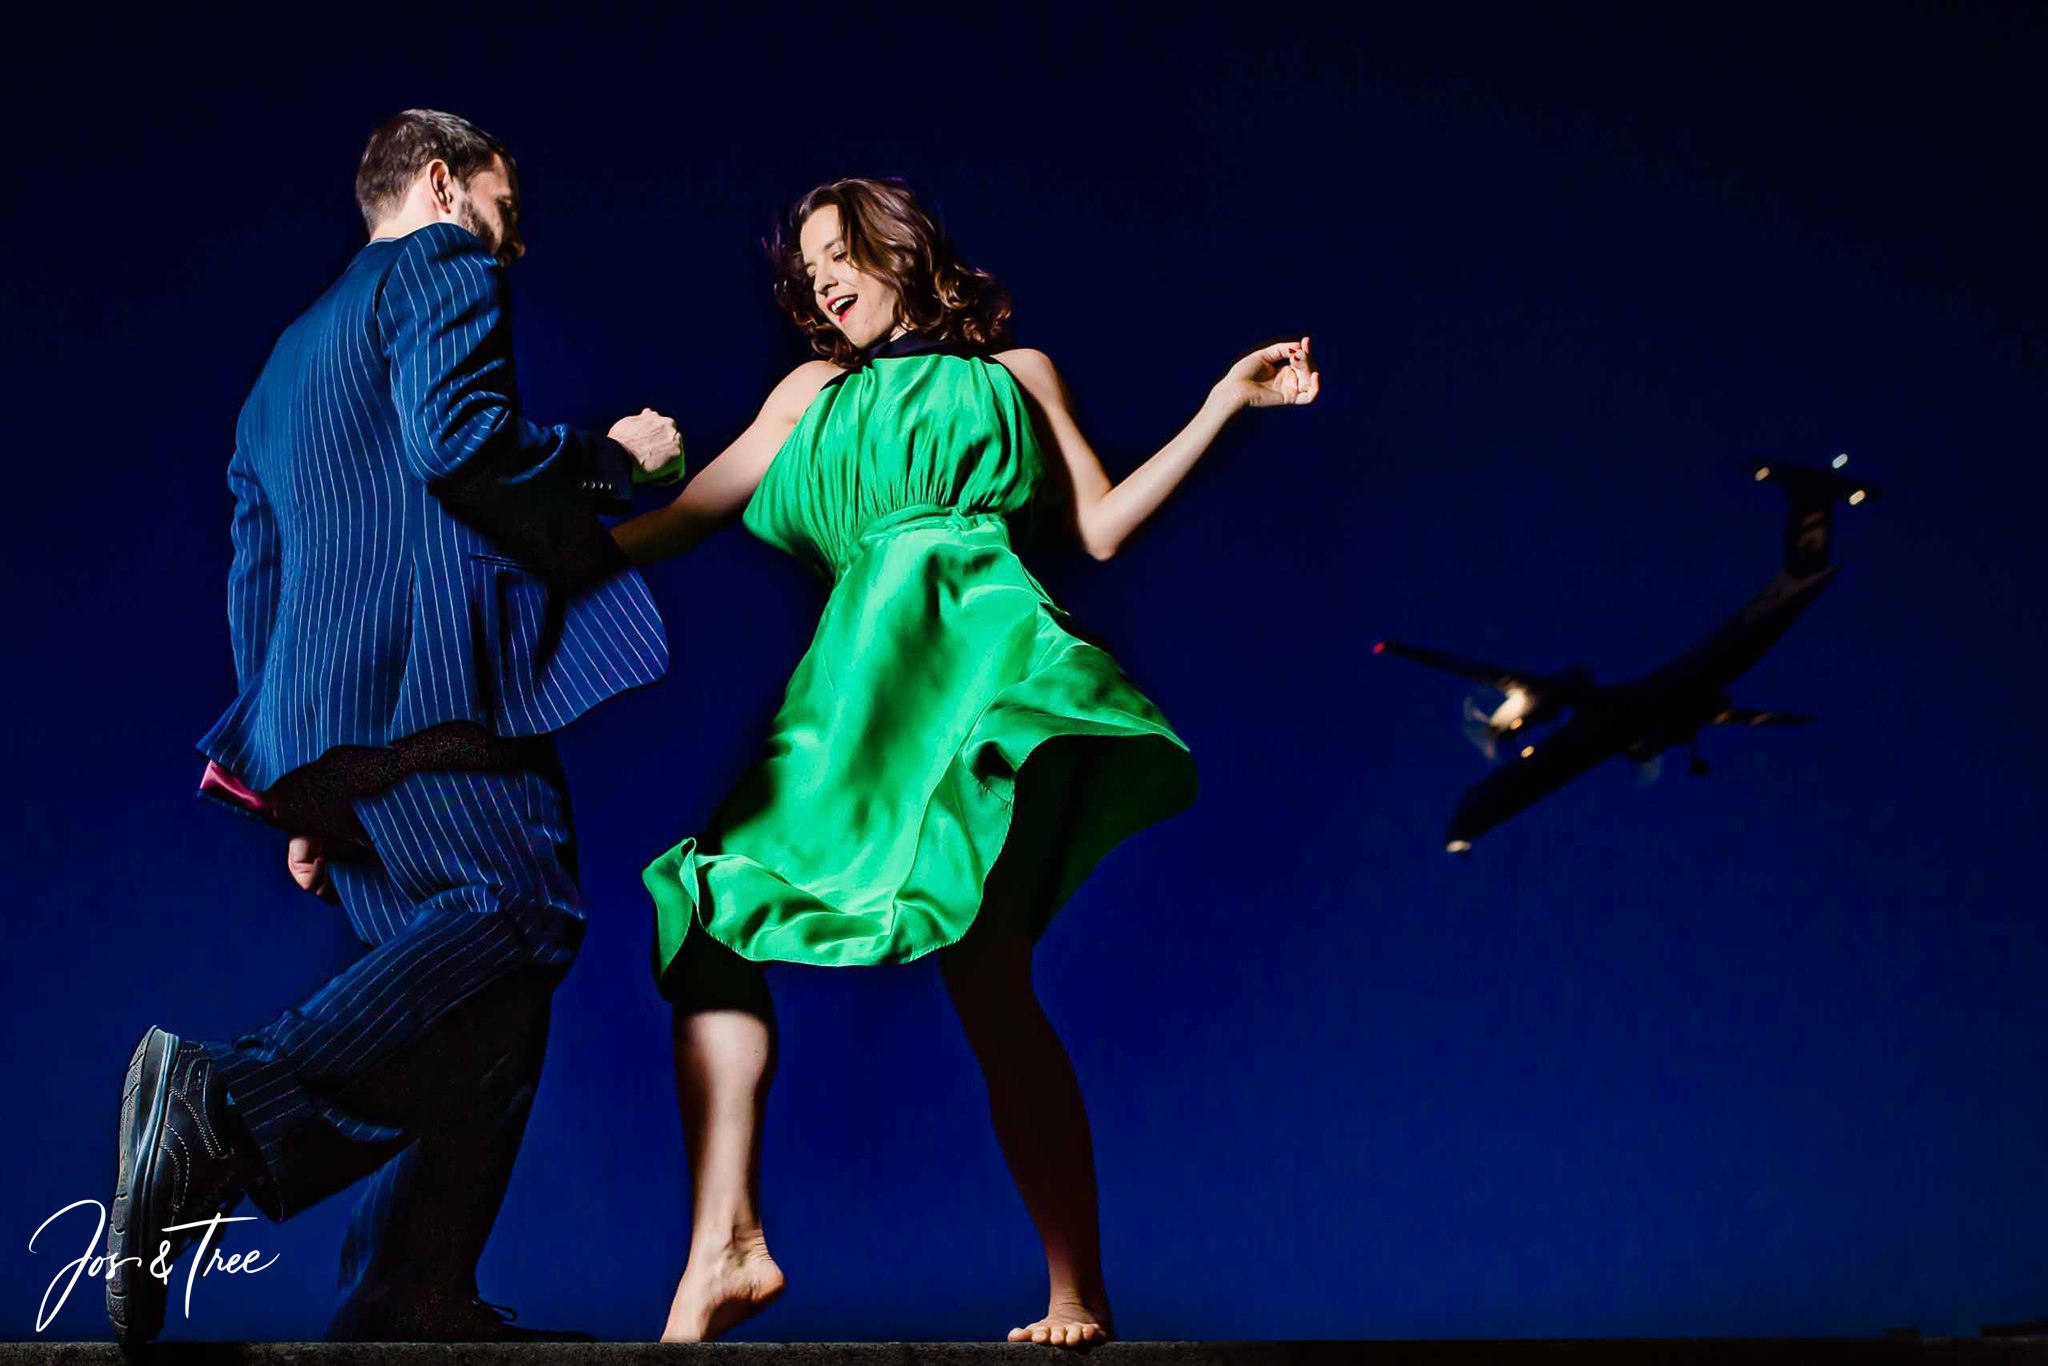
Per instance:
{"type": "Point", "coordinates": [1284, 373]}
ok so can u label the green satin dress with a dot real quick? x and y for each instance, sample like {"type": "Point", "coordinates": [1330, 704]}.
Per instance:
{"type": "Point", "coordinates": [868, 830]}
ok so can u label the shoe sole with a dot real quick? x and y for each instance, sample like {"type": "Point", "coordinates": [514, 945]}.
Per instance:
{"type": "Point", "coordinates": [135, 1299]}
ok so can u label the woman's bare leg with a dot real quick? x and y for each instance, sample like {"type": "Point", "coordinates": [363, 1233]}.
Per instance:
{"type": "Point", "coordinates": [1041, 1122]}
{"type": "Point", "coordinates": [725, 1059]}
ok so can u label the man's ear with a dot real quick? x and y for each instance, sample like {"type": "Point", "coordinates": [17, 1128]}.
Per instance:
{"type": "Point", "coordinates": [441, 184]}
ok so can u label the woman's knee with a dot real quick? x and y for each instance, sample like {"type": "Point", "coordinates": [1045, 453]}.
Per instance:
{"type": "Point", "coordinates": [709, 976]}
{"type": "Point", "coordinates": [988, 977]}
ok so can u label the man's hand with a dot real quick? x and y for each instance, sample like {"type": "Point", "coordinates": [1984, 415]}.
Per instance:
{"type": "Point", "coordinates": [308, 867]}
{"type": "Point", "coordinates": [649, 438]}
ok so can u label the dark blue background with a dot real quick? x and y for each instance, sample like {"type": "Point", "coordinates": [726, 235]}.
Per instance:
{"type": "Point", "coordinates": [1757, 1055]}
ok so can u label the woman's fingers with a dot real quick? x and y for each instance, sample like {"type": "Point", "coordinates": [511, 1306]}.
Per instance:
{"type": "Point", "coordinates": [1282, 373]}
{"type": "Point", "coordinates": [1302, 365]}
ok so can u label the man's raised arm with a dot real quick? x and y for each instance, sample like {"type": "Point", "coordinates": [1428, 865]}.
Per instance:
{"type": "Point", "coordinates": [448, 337]}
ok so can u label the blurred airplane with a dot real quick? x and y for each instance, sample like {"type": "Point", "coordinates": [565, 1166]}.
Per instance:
{"type": "Point", "coordinates": [1664, 708]}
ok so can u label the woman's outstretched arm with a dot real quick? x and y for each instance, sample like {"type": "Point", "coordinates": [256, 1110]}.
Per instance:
{"type": "Point", "coordinates": [720, 491]}
{"type": "Point", "coordinates": [1106, 514]}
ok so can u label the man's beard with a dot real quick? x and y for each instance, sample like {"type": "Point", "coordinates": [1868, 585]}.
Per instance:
{"type": "Point", "coordinates": [468, 217]}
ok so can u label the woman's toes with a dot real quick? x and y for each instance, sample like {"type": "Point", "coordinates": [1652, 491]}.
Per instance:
{"type": "Point", "coordinates": [1064, 1328]}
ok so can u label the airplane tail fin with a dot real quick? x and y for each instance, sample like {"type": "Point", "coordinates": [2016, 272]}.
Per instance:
{"type": "Point", "coordinates": [1810, 497]}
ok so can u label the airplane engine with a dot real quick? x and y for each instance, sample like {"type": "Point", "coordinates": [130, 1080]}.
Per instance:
{"type": "Point", "coordinates": [1494, 714]}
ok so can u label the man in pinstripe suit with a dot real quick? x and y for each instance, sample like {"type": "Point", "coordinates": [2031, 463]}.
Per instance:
{"type": "Point", "coordinates": [421, 593]}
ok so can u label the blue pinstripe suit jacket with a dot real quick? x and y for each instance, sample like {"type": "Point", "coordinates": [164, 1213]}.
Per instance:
{"type": "Point", "coordinates": [408, 549]}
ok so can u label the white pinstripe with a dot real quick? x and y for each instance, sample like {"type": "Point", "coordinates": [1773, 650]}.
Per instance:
{"type": "Point", "coordinates": [357, 611]}
{"type": "Point", "coordinates": [472, 884]}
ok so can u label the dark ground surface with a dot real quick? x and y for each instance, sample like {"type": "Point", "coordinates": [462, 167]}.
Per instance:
{"type": "Point", "coordinates": [1608, 1352]}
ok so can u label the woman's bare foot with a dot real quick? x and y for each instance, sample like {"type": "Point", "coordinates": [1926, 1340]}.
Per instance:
{"type": "Point", "coordinates": [1068, 1323]}
{"type": "Point", "coordinates": [722, 1289]}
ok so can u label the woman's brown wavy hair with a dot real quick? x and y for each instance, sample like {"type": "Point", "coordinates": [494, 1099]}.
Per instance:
{"type": "Point", "coordinates": [891, 236]}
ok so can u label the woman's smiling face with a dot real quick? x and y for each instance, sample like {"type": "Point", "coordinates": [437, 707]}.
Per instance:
{"type": "Point", "coordinates": [864, 307]}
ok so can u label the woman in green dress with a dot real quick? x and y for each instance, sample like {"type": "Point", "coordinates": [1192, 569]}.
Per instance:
{"type": "Point", "coordinates": [951, 757]}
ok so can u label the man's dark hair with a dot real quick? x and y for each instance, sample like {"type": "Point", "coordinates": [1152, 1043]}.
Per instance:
{"type": "Point", "coordinates": [405, 144]}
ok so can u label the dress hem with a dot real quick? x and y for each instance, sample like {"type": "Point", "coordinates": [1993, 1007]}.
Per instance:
{"type": "Point", "coordinates": [674, 880]}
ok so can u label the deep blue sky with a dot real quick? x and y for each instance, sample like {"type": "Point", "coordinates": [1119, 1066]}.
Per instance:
{"type": "Point", "coordinates": [1762, 1054]}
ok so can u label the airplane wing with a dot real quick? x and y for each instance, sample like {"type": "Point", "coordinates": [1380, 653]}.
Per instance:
{"type": "Point", "coordinates": [1568, 687]}
{"type": "Point", "coordinates": [1478, 670]}
{"type": "Point", "coordinates": [1750, 716]}
{"type": "Point", "coordinates": [1521, 782]}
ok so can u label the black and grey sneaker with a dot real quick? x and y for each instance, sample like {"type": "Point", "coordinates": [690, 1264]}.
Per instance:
{"type": "Point", "coordinates": [178, 1164]}
{"type": "Point", "coordinates": [442, 1318]}
{"type": "Point", "coordinates": [484, 1321]}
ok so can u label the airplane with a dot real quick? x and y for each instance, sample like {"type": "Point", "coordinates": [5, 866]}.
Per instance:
{"type": "Point", "coordinates": [1665, 708]}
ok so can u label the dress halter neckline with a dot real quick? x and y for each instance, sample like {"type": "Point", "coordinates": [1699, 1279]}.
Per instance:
{"type": "Point", "coordinates": [920, 344]}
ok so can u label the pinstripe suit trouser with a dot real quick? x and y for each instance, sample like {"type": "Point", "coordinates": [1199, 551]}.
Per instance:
{"type": "Point", "coordinates": [419, 1062]}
